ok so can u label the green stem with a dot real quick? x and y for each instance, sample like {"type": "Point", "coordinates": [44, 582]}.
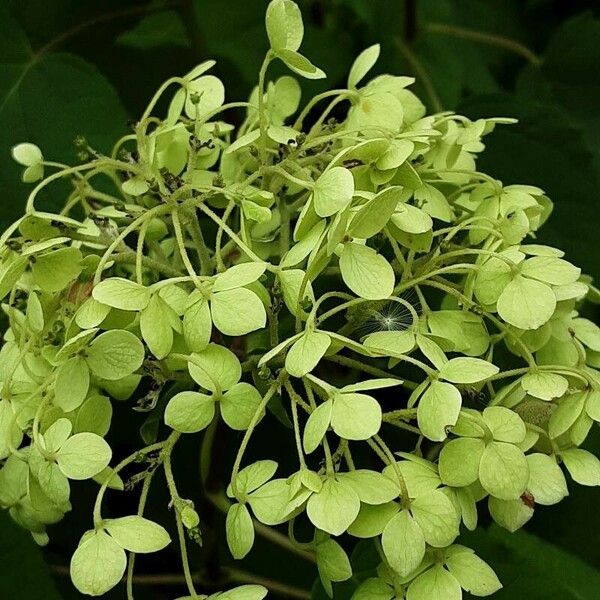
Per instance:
{"type": "Point", "coordinates": [130, 257]}
{"type": "Point", "coordinates": [297, 435]}
{"type": "Point", "coordinates": [330, 469]}
{"type": "Point", "coordinates": [120, 466]}
{"type": "Point", "coordinates": [313, 101]}
{"type": "Point", "coordinates": [262, 115]}
{"type": "Point", "coordinates": [166, 456]}
{"type": "Point", "coordinates": [421, 74]}
{"type": "Point", "coordinates": [219, 237]}
{"type": "Point", "coordinates": [277, 587]}
{"type": "Point", "coordinates": [483, 37]}
{"type": "Point", "coordinates": [248, 433]}
{"type": "Point", "coordinates": [403, 413]}
{"type": "Point", "coordinates": [140, 252]}
{"type": "Point", "coordinates": [319, 123]}
{"type": "Point", "coordinates": [223, 504]}
{"type": "Point", "coordinates": [301, 182]}
{"type": "Point", "coordinates": [394, 463]}
{"type": "Point", "coordinates": [180, 80]}
{"type": "Point", "coordinates": [457, 268]}
{"type": "Point", "coordinates": [204, 259]}
{"type": "Point", "coordinates": [184, 255]}
{"type": "Point", "coordinates": [207, 211]}
{"type": "Point", "coordinates": [150, 214]}
{"type": "Point", "coordinates": [102, 162]}
{"type": "Point", "coordinates": [366, 368]}
{"type": "Point", "coordinates": [140, 512]}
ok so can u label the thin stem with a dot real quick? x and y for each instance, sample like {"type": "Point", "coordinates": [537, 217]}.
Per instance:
{"type": "Point", "coordinates": [295, 396]}
{"type": "Point", "coordinates": [301, 182]}
{"type": "Point", "coordinates": [184, 255]}
{"type": "Point", "coordinates": [421, 74]}
{"type": "Point", "coordinates": [207, 211]}
{"type": "Point", "coordinates": [223, 504]}
{"type": "Point", "coordinates": [273, 327]}
{"type": "Point", "coordinates": [200, 246]}
{"type": "Point", "coordinates": [248, 433]}
{"type": "Point", "coordinates": [277, 587]}
{"type": "Point", "coordinates": [284, 229]}
{"type": "Point", "coordinates": [232, 575]}
{"type": "Point", "coordinates": [124, 463]}
{"type": "Point", "coordinates": [262, 115]}
{"type": "Point", "coordinates": [403, 413]}
{"type": "Point", "coordinates": [348, 457]}
{"type": "Point", "coordinates": [139, 255]}
{"type": "Point", "coordinates": [131, 557]}
{"type": "Point", "coordinates": [97, 164]}
{"type": "Point", "coordinates": [457, 268]}
{"type": "Point", "coordinates": [180, 80]}
{"type": "Point", "coordinates": [153, 212]}
{"type": "Point", "coordinates": [394, 463]}
{"type": "Point", "coordinates": [328, 458]}
{"type": "Point", "coordinates": [316, 99]}
{"type": "Point", "coordinates": [219, 238]}
{"type": "Point", "coordinates": [316, 128]}
{"type": "Point", "coordinates": [290, 390]}
{"type": "Point", "coordinates": [378, 451]}
{"type": "Point", "coordinates": [483, 37]}
{"type": "Point", "coordinates": [130, 257]}
{"type": "Point", "coordinates": [366, 368]}
{"type": "Point", "coordinates": [166, 456]}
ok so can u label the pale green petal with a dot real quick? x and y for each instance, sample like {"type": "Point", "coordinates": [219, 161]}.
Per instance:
{"type": "Point", "coordinates": [459, 461]}
{"type": "Point", "coordinates": [239, 405]}
{"type": "Point", "coordinates": [239, 531]}
{"type": "Point", "coordinates": [316, 426]}
{"type": "Point", "coordinates": [437, 518]}
{"type": "Point", "coordinates": [438, 410]}
{"type": "Point", "coordinates": [306, 353]}
{"type": "Point", "coordinates": [434, 584]}
{"type": "Point", "coordinates": [362, 64]}
{"type": "Point", "coordinates": [467, 370]}
{"type": "Point", "coordinates": [503, 471]}
{"type": "Point", "coordinates": [368, 274]}
{"type": "Point", "coordinates": [547, 483]}
{"type": "Point", "coordinates": [333, 191]}
{"type": "Point", "coordinates": [237, 311]}
{"type": "Point", "coordinates": [505, 424]}
{"type": "Point", "coordinates": [473, 573]}
{"type": "Point", "coordinates": [137, 534]}
{"type": "Point", "coordinates": [372, 487]}
{"type": "Point", "coordinates": [403, 543]}
{"type": "Point", "coordinates": [189, 412]}
{"type": "Point", "coordinates": [215, 364]}
{"type": "Point", "coordinates": [334, 507]}
{"type": "Point", "coordinates": [355, 416]}
{"type": "Point", "coordinates": [526, 304]}
{"type": "Point", "coordinates": [510, 514]}
{"type": "Point", "coordinates": [582, 465]}
{"type": "Point", "coordinates": [98, 564]}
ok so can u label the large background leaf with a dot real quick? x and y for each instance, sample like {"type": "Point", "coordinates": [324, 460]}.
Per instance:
{"type": "Point", "coordinates": [23, 572]}
{"type": "Point", "coordinates": [531, 568]}
{"type": "Point", "coordinates": [48, 99]}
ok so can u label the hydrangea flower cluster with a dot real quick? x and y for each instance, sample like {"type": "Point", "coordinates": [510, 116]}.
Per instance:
{"type": "Point", "coordinates": [206, 273]}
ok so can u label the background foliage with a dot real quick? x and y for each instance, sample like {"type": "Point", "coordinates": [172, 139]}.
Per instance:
{"type": "Point", "coordinates": [69, 68]}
